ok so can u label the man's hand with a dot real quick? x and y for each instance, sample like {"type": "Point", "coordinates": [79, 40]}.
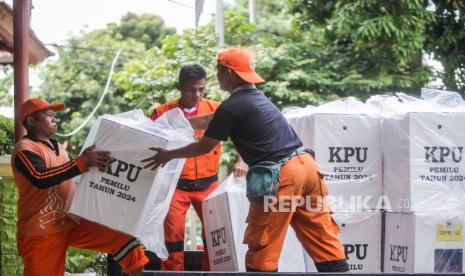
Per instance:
{"type": "Point", "coordinates": [240, 168]}
{"type": "Point", "coordinates": [99, 159]}
{"type": "Point", "coordinates": [160, 158]}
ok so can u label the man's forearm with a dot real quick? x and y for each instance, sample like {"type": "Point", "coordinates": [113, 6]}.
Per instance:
{"type": "Point", "coordinates": [200, 122]}
{"type": "Point", "coordinates": [191, 150]}
{"type": "Point", "coordinates": [163, 156]}
{"type": "Point", "coordinates": [204, 146]}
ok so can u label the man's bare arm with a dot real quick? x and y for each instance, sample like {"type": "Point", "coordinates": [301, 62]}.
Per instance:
{"type": "Point", "coordinates": [200, 122]}
{"type": "Point", "coordinates": [163, 156]}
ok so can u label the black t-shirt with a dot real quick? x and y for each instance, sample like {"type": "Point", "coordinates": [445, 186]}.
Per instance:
{"type": "Point", "coordinates": [257, 128]}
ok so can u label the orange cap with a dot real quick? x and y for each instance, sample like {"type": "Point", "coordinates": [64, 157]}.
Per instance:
{"type": "Point", "coordinates": [241, 61]}
{"type": "Point", "coordinates": [33, 105]}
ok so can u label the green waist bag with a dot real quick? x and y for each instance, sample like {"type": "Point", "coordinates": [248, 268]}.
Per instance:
{"type": "Point", "coordinates": [263, 179]}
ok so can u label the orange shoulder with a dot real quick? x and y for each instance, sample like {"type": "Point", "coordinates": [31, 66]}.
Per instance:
{"type": "Point", "coordinates": [210, 105]}
{"type": "Point", "coordinates": [166, 106]}
{"type": "Point", "coordinates": [26, 144]}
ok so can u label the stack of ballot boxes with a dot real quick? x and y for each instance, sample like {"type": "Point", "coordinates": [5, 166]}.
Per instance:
{"type": "Point", "coordinates": [126, 197]}
{"type": "Point", "coordinates": [424, 184]}
{"type": "Point", "coordinates": [225, 212]}
{"type": "Point", "coordinates": [346, 138]}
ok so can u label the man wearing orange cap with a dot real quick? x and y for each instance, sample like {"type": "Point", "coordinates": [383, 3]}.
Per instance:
{"type": "Point", "coordinates": [279, 167]}
{"type": "Point", "coordinates": [43, 173]}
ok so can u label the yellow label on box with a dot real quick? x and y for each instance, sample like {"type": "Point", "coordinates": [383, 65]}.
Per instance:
{"type": "Point", "coordinates": [449, 232]}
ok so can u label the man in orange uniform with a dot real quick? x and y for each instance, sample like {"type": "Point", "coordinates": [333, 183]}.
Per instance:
{"type": "Point", "coordinates": [267, 143]}
{"type": "Point", "coordinates": [199, 176]}
{"type": "Point", "coordinates": [43, 174]}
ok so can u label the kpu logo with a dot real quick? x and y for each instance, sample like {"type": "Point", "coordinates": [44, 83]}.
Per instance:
{"type": "Point", "coordinates": [131, 170]}
{"type": "Point", "coordinates": [347, 154]}
{"type": "Point", "coordinates": [399, 253]}
{"type": "Point", "coordinates": [218, 236]}
{"type": "Point", "coordinates": [436, 154]}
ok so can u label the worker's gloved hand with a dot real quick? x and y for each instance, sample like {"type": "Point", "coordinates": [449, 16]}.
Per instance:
{"type": "Point", "coordinates": [99, 159]}
{"type": "Point", "coordinates": [240, 168]}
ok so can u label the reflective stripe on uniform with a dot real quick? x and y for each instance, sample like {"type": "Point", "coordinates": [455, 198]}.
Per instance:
{"type": "Point", "coordinates": [125, 250]}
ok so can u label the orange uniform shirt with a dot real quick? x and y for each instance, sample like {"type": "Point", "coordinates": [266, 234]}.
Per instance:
{"type": "Point", "coordinates": [203, 166]}
{"type": "Point", "coordinates": [43, 174]}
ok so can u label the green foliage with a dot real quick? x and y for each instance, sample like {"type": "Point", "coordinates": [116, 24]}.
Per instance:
{"type": "Point", "coordinates": [10, 262]}
{"type": "Point", "coordinates": [146, 28]}
{"type": "Point", "coordinates": [445, 41]}
{"type": "Point", "coordinates": [7, 135]}
{"type": "Point", "coordinates": [6, 83]}
{"type": "Point", "coordinates": [79, 75]}
{"type": "Point", "coordinates": [309, 51]}
{"type": "Point", "coordinates": [379, 44]}
{"type": "Point", "coordinates": [364, 47]}
{"type": "Point", "coordinates": [80, 260]}
{"type": "Point", "coordinates": [150, 79]}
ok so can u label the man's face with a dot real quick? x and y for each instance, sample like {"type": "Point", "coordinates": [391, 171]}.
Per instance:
{"type": "Point", "coordinates": [192, 92]}
{"type": "Point", "coordinates": [221, 75]}
{"type": "Point", "coordinates": [44, 122]}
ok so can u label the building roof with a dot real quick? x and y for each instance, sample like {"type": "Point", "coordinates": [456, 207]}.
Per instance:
{"type": "Point", "coordinates": [37, 50]}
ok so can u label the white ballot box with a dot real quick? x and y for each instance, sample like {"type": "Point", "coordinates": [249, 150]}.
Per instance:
{"type": "Point", "coordinates": [424, 243]}
{"type": "Point", "coordinates": [127, 197]}
{"type": "Point", "coordinates": [424, 168]}
{"type": "Point", "coordinates": [360, 234]}
{"type": "Point", "coordinates": [224, 213]}
{"type": "Point", "coordinates": [346, 138]}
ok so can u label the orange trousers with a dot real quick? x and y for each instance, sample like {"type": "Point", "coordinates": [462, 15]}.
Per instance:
{"type": "Point", "coordinates": [300, 182]}
{"type": "Point", "coordinates": [45, 255]}
{"type": "Point", "coordinates": [174, 226]}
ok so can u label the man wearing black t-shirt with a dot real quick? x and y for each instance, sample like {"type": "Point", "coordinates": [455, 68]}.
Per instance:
{"type": "Point", "coordinates": [263, 138]}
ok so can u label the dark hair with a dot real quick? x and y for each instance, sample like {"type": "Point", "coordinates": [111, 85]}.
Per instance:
{"type": "Point", "coordinates": [191, 72]}
{"type": "Point", "coordinates": [35, 115]}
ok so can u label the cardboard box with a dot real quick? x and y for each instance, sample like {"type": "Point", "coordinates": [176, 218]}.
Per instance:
{"type": "Point", "coordinates": [127, 197]}
{"type": "Point", "coordinates": [424, 168]}
{"type": "Point", "coordinates": [224, 213]}
{"type": "Point", "coordinates": [424, 243]}
{"type": "Point", "coordinates": [360, 234]}
{"type": "Point", "coordinates": [348, 152]}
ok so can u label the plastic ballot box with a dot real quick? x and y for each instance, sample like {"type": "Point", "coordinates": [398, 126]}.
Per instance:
{"type": "Point", "coordinates": [346, 138]}
{"type": "Point", "coordinates": [424, 168]}
{"type": "Point", "coordinates": [126, 197]}
{"type": "Point", "coordinates": [424, 243]}
{"type": "Point", "coordinates": [224, 212]}
{"type": "Point", "coordinates": [360, 234]}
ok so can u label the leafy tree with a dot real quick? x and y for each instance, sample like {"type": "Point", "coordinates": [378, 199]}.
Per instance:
{"type": "Point", "coordinates": [365, 47]}
{"type": "Point", "coordinates": [445, 40]}
{"type": "Point", "coordinates": [150, 79]}
{"type": "Point", "coordinates": [79, 75]}
{"type": "Point", "coordinates": [7, 135]}
{"type": "Point", "coordinates": [379, 44]}
{"type": "Point", "coordinates": [146, 28]}
{"type": "Point", "coordinates": [283, 54]}
{"type": "Point", "coordinates": [6, 82]}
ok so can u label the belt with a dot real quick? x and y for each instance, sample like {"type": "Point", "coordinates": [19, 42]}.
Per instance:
{"type": "Point", "coordinates": [198, 184]}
